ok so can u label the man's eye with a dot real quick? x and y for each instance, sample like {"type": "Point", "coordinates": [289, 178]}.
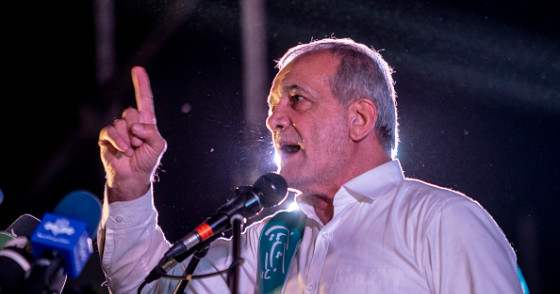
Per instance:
{"type": "Point", "coordinates": [296, 98]}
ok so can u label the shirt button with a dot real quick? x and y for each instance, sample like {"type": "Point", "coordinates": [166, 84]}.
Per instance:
{"type": "Point", "coordinates": [310, 287]}
{"type": "Point", "coordinates": [119, 219]}
{"type": "Point", "coordinates": [327, 236]}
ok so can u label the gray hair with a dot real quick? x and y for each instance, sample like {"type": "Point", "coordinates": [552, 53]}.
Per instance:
{"type": "Point", "coordinates": [362, 73]}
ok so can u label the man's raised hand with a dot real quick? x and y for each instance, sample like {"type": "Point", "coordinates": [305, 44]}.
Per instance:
{"type": "Point", "coordinates": [131, 147]}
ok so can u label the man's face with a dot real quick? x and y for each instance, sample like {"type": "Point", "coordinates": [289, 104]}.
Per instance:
{"type": "Point", "coordinates": [309, 125]}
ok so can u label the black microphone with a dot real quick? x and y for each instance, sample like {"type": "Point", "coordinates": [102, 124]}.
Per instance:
{"type": "Point", "coordinates": [62, 242]}
{"type": "Point", "coordinates": [268, 191]}
{"type": "Point", "coordinates": [24, 225]}
{"type": "Point", "coordinates": [15, 254]}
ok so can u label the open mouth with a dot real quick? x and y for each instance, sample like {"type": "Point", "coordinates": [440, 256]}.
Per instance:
{"type": "Point", "coordinates": [290, 148]}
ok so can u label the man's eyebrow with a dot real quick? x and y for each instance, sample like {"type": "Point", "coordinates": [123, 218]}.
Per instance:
{"type": "Point", "coordinates": [279, 91]}
{"type": "Point", "coordinates": [294, 87]}
{"type": "Point", "coordinates": [274, 96]}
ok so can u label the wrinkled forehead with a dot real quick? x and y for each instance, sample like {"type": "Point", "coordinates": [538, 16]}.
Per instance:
{"type": "Point", "coordinates": [306, 72]}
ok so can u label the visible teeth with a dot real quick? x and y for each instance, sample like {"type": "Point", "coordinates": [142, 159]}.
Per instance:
{"type": "Point", "coordinates": [290, 148]}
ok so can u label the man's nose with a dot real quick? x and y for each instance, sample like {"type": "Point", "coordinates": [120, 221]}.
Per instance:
{"type": "Point", "coordinates": [278, 118]}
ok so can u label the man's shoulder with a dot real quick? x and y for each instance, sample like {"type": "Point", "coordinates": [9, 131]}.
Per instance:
{"type": "Point", "coordinates": [429, 202]}
{"type": "Point", "coordinates": [416, 190]}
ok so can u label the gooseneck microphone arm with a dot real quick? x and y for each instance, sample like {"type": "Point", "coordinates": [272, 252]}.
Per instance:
{"type": "Point", "coordinates": [198, 255]}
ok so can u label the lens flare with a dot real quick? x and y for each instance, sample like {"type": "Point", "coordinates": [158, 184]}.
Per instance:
{"type": "Point", "coordinates": [276, 158]}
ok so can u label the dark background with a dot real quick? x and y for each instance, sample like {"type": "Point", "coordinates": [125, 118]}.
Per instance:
{"type": "Point", "coordinates": [478, 100]}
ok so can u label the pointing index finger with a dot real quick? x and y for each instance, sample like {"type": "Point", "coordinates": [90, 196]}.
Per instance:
{"type": "Point", "coordinates": [144, 96]}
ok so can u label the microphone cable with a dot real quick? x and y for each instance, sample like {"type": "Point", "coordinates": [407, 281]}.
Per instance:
{"type": "Point", "coordinates": [189, 277]}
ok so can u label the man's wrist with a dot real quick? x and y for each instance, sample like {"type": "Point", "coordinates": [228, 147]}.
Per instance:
{"type": "Point", "coordinates": [126, 191]}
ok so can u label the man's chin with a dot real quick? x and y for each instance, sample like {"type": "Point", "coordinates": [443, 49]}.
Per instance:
{"type": "Point", "coordinates": [302, 181]}
{"type": "Point", "coordinates": [294, 179]}
{"type": "Point", "coordinates": [290, 176]}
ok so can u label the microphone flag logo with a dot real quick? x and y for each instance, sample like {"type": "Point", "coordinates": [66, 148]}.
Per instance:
{"type": "Point", "coordinates": [68, 237]}
{"type": "Point", "coordinates": [60, 226]}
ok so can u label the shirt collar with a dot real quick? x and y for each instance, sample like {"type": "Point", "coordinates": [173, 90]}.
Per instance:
{"type": "Point", "coordinates": [364, 187]}
{"type": "Point", "coordinates": [371, 183]}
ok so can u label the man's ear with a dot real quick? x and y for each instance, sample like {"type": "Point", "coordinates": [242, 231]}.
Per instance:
{"type": "Point", "coordinates": [362, 114]}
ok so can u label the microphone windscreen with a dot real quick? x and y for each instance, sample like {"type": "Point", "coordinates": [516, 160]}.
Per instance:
{"type": "Point", "coordinates": [24, 225]}
{"type": "Point", "coordinates": [273, 189]}
{"type": "Point", "coordinates": [83, 206]}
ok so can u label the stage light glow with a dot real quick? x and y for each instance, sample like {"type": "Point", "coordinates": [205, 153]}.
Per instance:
{"type": "Point", "coordinates": [276, 159]}
{"type": "Point", "coordinates": [292, 206]}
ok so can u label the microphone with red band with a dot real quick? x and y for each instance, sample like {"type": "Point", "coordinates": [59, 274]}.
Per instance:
{"type": "Point", "coordinates": [268, 191]}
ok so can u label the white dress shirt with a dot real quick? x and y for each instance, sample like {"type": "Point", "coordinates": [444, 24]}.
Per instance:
{"type": "Point", "coordinates": [388, 235]}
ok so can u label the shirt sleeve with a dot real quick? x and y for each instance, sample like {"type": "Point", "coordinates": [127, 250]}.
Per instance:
{"type": "Point", "coordinates": [468, 252]}
{"type": "Point", "coordinates": [130, 242]}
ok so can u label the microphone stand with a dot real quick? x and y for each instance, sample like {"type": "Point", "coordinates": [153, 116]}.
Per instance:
{"type": "Point", "coordinates": [199, 254]}
{"type": "Point", "coordinates": [233, 274]}
{"type": "Point", "coordinates": [46, 276]}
